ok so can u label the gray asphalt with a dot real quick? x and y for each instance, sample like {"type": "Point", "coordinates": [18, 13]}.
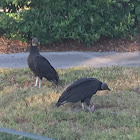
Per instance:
{"type": "Point", "coordinates": [69, 59]}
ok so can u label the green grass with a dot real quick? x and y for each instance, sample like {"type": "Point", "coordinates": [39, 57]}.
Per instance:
{"type": "Point", "coordinates": [27, 108]}
{"type": "Point", "coordinates": [4, 136]}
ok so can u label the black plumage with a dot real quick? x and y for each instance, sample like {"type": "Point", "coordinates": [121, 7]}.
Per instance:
{"type": "Point", "coordinates": [40, 66]}
{"type": "Point", "coordinates": [82, 90]}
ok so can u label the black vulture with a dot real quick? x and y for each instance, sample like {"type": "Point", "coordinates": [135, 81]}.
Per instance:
{"type": "Point", "coordinates": [82, 90]}
{"type": "Point", "coordinates": [40, 66]}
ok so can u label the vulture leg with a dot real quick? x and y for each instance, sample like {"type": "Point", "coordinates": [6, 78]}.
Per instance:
{"type": "Point", "coordinates": [83, 106]}
{"type": "Point", "coordinates": [82, 103]}
{"type": "Point", "coordinates": [92, 108]}
{"type": "Point", "coordinates": [36, 81]}
{"type": "Point", "coordinates": [39, 82]}
{"type": "Point", "coordinates": [87, 101]}
{"type": "Point", "coordinates": [89, 108]}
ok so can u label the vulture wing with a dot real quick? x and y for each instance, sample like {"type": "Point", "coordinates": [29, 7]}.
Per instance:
{"type": "Point", "coordinates": [80, 90]}
{"type": "Point", "coordinates": [45, 69]}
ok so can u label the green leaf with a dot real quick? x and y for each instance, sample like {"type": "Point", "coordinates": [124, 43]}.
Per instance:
{"type": "Point", "coordinates": [137, 10]}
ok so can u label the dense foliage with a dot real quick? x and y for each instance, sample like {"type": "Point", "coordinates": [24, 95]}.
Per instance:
{"type": "Point", "coordinates": [82, 20]}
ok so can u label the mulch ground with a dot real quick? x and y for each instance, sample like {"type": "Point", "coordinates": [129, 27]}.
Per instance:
{"type": "Point", "coordinates": [104, 45]}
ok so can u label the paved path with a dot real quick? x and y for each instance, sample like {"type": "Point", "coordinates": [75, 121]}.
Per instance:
{"type": "Point", "coordinates": [70, 59]}
{"type": "Point", "coordinates": [23, 134]}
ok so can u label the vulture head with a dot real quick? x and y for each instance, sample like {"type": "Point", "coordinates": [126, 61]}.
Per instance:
{"type": "Point", "coordinates": [104, 86]}
{"type": "Point", "coordinates": [34, 41]}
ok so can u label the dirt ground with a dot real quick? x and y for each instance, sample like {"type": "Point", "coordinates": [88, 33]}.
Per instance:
{"type": "Point", "coordinates": [103, 45]}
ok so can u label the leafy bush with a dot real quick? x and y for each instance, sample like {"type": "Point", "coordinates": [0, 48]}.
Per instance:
{"type": "Point", "coordinates": [137, 13]}
{"type": "Point", "coordinates": [55, 20]}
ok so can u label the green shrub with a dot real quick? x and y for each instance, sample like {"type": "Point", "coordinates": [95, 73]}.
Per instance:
{"type": "Point", "coordinates": [56, 20]}
{"type": "Point", "coordinates": [137, 13]}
